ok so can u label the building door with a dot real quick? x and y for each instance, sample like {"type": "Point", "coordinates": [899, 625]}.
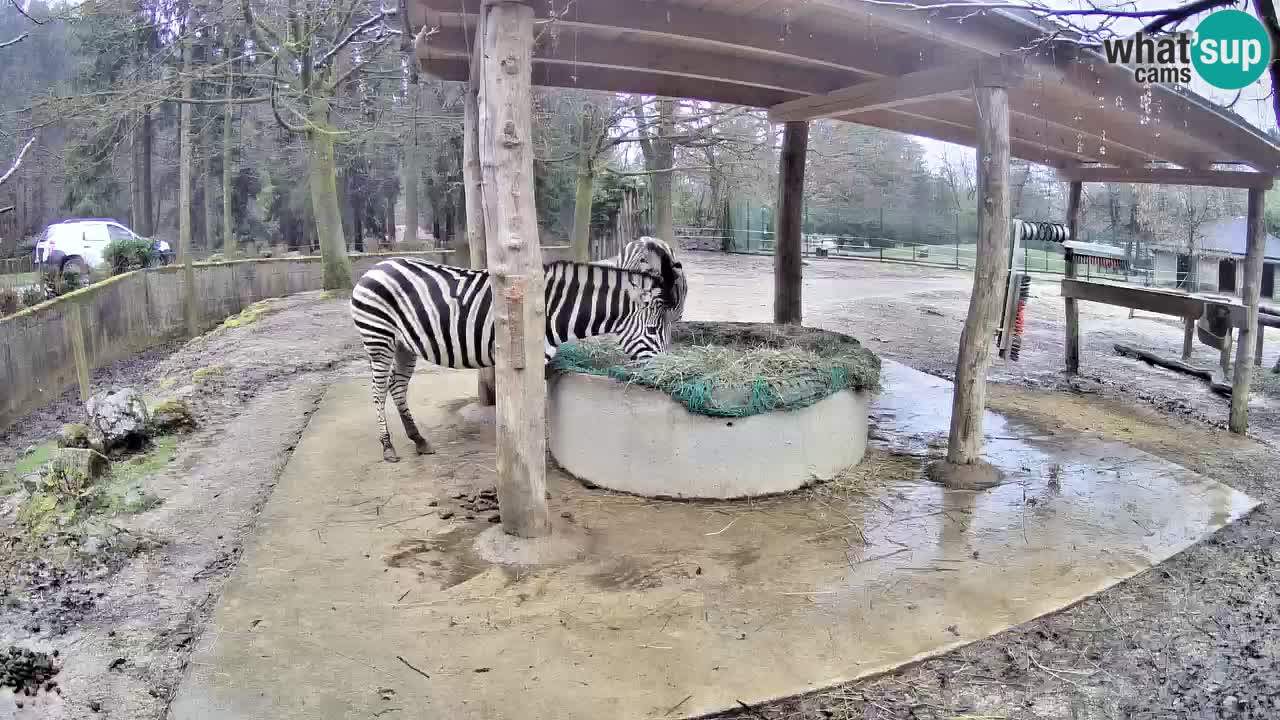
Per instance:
{"type": "Point", "coordinates": [1226, 276]}
{"type": "Point", "coordinates": [1268, 280]}
{"type": "Point", "coordinates": [1184, 271]}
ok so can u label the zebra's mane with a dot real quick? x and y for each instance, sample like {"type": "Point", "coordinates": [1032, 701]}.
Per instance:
{"type": "Point", "coordinates": [657, 279]}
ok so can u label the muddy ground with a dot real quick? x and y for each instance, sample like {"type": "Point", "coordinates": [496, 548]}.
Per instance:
{"type": "Point", "coordinates": [1194, 638]}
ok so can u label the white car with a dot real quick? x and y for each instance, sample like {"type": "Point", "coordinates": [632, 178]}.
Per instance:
{"type": "Point", "coordinates": [79, 244]}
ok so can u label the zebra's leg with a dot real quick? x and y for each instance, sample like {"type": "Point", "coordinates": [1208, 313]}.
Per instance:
{"type": "Point", "coordinates": [380, 363]}
{"type": "Point", "coordinates": [400, 376]}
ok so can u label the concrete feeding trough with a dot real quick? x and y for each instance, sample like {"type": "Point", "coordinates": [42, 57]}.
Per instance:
{"type": "Point", "coordinates": [735, 410]}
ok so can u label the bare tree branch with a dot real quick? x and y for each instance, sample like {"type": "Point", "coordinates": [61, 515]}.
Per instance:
{"type": "Point", "coordinates": [262, 34]}
{"type": "Point", "coordinates": [18, 7]}
{"type": "Point", "coordinates": [1267, 12]}
{"type": "Point", "coordinates": [355, 32]}
{"type": "Point", "coordinates": [18, 162]}
{"type": "Point", "coordinates": [14, 41]}
{"type": "Point", "coordinates": [275, 109]}
{"type": "Point", "coordinates": [1177, 15]}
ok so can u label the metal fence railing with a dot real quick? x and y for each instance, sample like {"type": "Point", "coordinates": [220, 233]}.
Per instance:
{"type": "Point", "coordinates": [955, 255]}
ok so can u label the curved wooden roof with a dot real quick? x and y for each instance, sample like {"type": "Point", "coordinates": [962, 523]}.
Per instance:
{"type": "Point", "coordinates": [874, 64]}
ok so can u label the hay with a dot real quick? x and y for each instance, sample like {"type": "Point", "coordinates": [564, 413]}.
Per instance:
{"type": "Point", "coordinates": [736, 369]}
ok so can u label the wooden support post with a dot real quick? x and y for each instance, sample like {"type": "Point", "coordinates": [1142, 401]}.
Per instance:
{"type": "Point", "coordinates": [515, 260]}
{"type": "Point", "coordinates": [475, 188]}
{"type": "Point", "coordinates": [75, 329]}
{"type": "Point", "coordinates": [1239, 422]}
{"type": "Point", "coordinates": [1073, 309]}
{"type": "Point", "coordinates": [788, 270]}
{"type": "Point", "coordinates": [1188, 334]}
{"type": "Point", "coordinates": [1257, 350]}
{"type": "Point", "coordinates": [965, 443]}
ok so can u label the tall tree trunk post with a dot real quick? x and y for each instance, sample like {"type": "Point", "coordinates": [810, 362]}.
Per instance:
{"type": "Point", "coordinates": [963, 467]}
{"type": "Point", "coordinates": [229, 246]}
{"type": "Point", "coordinates": [1074, 194]}
{"type": "Point", "coordinates": [581, 242]}
{"type": "Point", "coordinates": [138, 207]}
{"type": "Point", "coordinates": [210, 218]}
{"type": "Point", "coordinates": [471, 177]}
{"type": "Point", "coordinates": [788, 270]}
{"type": "Point", "coordinates": [149, 200]}
{"type": "Point", "coordinates": [515, 261]}
{"type": "Point", "coordinates": [324, 196]}
{"type": "Point", "coordinates": [664, 159]}
{"type": "Point", "coordinates": [184, 195]}
{"type": "Point", "coordinates": [1239, 423]}
{"type": "Point", "coordinates": [411, 164]}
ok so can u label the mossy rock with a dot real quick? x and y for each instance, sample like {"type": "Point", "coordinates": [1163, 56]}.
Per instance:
{"type": "Point", "coordinates": [74, 435]}
{"type": "Point", "coordinates": [72, 471]}
{"type": "Point", "coordinates": [171, 416]}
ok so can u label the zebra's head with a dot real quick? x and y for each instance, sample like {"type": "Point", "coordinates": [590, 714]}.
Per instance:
{"type": "Point", "coordinates": [655, 255]}
{"type": "Point", "coordinates": [647, 331]}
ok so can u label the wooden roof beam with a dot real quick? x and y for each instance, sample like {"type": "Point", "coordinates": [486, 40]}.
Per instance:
{"type": "Point", "coordinates": [1157, 140]}
{"type": "Point", "coordinates": [890, 92]}
{"type": "Point", "coordinates": [921, 23]}
{"type": "Point", "coordinates": [1090, 144]}
{"type": "Point", "coordinates": [1053, 140]}
{"type": "Point", "coordinates": [960, 134]}
{"type": "Point", "coordinates": [634, 53]}
{"type": "Point", "coordinates": [1168, 176]}
{"type": "Point", "coordinates": [1083, 72]}
{"type": "Point", "coordinates": [609, 79]}
{"type": "Point", "coordinates": [1235, 140]}
{"type": "Point", "coordinates": [714, 30]}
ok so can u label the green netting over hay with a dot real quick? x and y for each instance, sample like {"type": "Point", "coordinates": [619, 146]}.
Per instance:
{"type": "Point", "coordinates": [736, 369]}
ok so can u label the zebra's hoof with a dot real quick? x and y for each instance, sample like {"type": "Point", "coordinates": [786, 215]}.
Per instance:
{"type": "Point", "coordinates": [389, 455]}
{"type": "Point", "coordinates": [425, 449]}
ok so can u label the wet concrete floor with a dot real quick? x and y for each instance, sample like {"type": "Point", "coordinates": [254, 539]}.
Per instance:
{"type": "Point", "coordinates": [358, 598]}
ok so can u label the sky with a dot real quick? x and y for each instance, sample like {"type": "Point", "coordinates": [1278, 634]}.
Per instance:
{"type": "Point", "coordinates": [1254, 105]}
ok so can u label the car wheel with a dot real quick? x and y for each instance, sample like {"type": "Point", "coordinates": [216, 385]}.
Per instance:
{"type": "Point", "coordinates": [78, 266]}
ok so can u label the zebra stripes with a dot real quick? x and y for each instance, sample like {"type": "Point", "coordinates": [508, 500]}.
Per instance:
{"type": "Point", "coordinates": [407, 309]}
{"type": "Point", "coordinates": [647, 254]}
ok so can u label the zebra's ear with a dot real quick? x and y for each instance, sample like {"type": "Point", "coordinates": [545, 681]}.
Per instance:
{"type": "Point", "coordinates": [669, 278]}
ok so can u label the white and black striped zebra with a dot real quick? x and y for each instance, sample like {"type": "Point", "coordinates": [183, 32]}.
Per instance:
{"type": "Point", "coordinates": [647, 253]}
{"type": "Point", "coordinates": [407, 309]}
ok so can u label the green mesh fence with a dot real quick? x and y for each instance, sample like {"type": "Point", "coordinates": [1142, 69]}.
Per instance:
{"type": "Point", "coordinates": [736, 369]}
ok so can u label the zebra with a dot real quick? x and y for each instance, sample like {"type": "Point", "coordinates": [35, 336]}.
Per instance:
{"type": "Point", "coordinates": [647, 253]}
{"type": "Point", "coordinates": [405, 309]}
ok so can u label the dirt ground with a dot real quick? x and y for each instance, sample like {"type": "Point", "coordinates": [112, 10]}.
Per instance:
{"type": "Point", "coordinates": [1197, 637]}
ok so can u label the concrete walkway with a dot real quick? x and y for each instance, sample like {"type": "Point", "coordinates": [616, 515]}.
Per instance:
{"type": "Point", "coordinates": [359, 599]}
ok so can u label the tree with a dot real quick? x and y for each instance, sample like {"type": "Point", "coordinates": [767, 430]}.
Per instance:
{"type": "Point", "coordinates": [323, 51]}
{"type": "Point", "coordinates": [17, 162]}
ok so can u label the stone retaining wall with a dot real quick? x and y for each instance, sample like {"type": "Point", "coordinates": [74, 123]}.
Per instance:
{"type": "Point", "coordinates": [135, 311]}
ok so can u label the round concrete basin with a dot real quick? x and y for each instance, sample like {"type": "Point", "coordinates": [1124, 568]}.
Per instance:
{"type": "Point", "coordinates": [638, 440]}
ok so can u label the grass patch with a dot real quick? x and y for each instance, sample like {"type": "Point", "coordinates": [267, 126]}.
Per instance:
{"type": "Point", "coordinates": [737, 369]}
{"type": "Point", "coordinates": [162, 452]}
{"type": "Point", "coordinates": [249, 315]}
{"type": "Point", "coordinates": [120, 492]}
{"type": "Point", "coordinates": [208, 372]}
{"type": "Point", "coordinates": [26, 465]}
